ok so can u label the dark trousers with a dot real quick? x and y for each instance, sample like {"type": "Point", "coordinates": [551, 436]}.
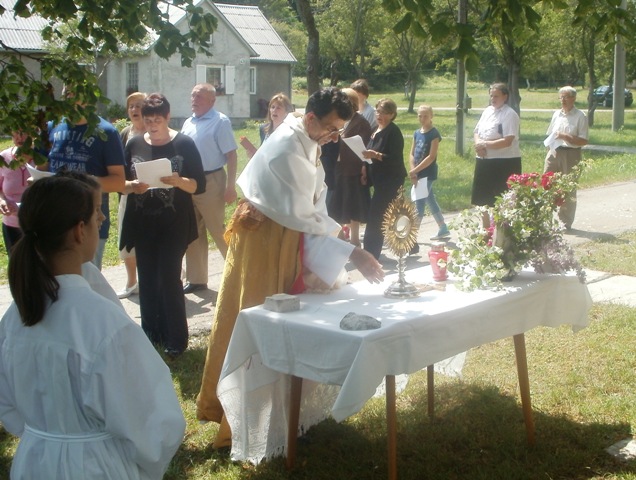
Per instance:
{"type": "Point", "coordinates": [161, 300]}
{"type": "Point", "coordinates": [11, 235]}
{"type": "Point", "coordinates": [384, 192]}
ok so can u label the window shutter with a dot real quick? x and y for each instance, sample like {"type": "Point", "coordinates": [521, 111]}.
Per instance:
{"type": "Point", "coordinates": [229, 79]}
{"type": "Point", "coordinates": [201, 74]}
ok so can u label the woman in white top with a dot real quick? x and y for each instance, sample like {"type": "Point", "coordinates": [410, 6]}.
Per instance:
{"type": "Point", "coordinates": [496, 138]}
{"type": "Point", "coordinates": [80, 384]}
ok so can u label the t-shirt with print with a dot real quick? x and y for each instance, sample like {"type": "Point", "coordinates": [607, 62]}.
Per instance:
{"type": "Point", "coordinates": [73, 149]}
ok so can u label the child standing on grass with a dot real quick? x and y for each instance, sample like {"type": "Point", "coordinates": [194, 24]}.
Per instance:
{"type": "Point", "coordinates": [423, 163]}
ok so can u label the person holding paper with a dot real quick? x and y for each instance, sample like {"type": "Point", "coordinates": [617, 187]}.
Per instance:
{"type": "Point", "coordinates": [280, 237]}
{"type": "Point", "coordinates": [160, 223]}
{"type": "Point", "coordinates": [569, 129]}
{"type": "Point", "coordinates": [496, 138]}
{"type": "Point", "coordinates": [13, 183]}
{"type": "Point", "coordinates": [386, 150]}
{"type": "Point", "coordinates": [349, 204]}
{"type": "Point", "coordinates": [423, 163]}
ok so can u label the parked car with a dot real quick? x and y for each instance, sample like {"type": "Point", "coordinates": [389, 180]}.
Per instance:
{"type": "Point", "coordinates": [605, 95]}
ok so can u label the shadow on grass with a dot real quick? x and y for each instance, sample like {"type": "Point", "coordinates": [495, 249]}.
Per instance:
{"type": "Point", "coordinates": [477, 433]}
{"type": "Point", "coordinates": [596, 236]}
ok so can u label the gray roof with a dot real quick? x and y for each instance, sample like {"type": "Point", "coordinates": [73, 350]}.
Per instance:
{"type": "Point", "coordinates": [23, 34]}
{"type": "Point", "coordinates": [256, 30]}
{"type": "Point", "coordinates": [251, 26]}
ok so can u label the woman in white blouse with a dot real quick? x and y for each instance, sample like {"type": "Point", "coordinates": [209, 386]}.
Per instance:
{"type": "Point", "coordinates": [496, 138]}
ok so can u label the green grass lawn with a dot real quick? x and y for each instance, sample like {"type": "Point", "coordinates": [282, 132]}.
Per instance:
{"type": "Point", "coordinates": [583, 399]}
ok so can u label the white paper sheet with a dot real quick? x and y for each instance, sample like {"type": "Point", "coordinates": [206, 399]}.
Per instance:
{"type": "Point", "coordinates": [37, 174]}
{"type": "Point", "coordinates": [151, 172]}
{"type": "Point", "coordinates": [356, 144]}
{"type": "Point", "coordinates": [421, 190]}
{"type": "Point", "coordinates": [553, 143]}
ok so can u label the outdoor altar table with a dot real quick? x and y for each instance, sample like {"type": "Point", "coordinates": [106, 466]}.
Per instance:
{"type": "Point", "coordinates": [273, 356]}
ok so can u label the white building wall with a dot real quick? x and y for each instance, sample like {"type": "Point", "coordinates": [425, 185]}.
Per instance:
{"type": "Point", "coordinates": [176, 82]}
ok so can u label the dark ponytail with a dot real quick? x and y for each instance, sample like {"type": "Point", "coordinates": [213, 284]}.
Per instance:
{"type": "Point", "coordinates": [49, 209]}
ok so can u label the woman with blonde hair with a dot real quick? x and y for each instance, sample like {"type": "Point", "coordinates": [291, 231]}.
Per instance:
{"type": "Point", "coordinates": [134, 102]}
{"type": "Point", "coordinates": [278, 108]}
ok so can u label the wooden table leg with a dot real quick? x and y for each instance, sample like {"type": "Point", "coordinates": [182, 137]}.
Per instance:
{"type": "Point", "coordinates": [294, 415]}
{"type": "Point", "coordinates": [524, 384]}
{"type": "Point", "coordinates": [391, 426]}
{"type": "Point", "coordinates": [430, 387]}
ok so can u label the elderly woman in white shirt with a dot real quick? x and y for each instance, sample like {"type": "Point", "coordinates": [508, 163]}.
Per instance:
{"type": "Point", "coordinates": [496, 138]}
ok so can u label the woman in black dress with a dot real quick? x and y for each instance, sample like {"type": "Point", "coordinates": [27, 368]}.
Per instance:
{"type": "Point", "coordinates": [386, 150]}
{"type": "Point", "coordinates": [160, 223]}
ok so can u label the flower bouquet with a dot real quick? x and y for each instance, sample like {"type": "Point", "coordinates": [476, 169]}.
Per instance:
{"type": "Point", "coordinates": [524, 230]}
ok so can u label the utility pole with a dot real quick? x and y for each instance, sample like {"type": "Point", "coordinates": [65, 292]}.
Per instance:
{"type": "Point", "coordinates": [462, 18]}
{"type": "Point", "coordinates": [618, 105]}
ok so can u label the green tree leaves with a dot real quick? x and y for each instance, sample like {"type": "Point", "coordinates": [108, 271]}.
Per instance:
{"type": "Point", "coordinates": [86, 32]}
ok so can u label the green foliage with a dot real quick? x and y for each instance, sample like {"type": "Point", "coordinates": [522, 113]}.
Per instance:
{"type": "Point", "coordinates": [524, 231]}
{"type": "Point", "coordinates": [116, 112]}
{"type": "Point", "coordinates": [27, 101]}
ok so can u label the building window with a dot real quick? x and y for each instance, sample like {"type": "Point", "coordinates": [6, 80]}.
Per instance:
{"type": "Point", "coordinates": [132, 78]}
{"type": "Point", "coordinates": [221, 77]}
{"type": "Point", "coordinates": [252, 80]}
{"type": "Point", "coordinates": [214, 76]}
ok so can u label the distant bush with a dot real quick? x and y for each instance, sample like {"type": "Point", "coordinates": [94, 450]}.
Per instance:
{"type": "Point", "coordinates": [299, 84]}
{"type": "Point", "coordinates": [121, 123]}
{"type": "Point", "coordinates": [116, 111]}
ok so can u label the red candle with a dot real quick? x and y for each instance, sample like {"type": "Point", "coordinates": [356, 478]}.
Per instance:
{"type": "Point", "coordinates": [438, 258]}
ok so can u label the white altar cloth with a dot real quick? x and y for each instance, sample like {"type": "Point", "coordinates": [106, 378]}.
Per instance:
{"type": "Point", "coordinates": [267, 347]}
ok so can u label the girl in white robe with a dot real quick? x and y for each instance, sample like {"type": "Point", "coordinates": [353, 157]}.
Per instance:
{"type": "Point", "coordinates": [80, 383]}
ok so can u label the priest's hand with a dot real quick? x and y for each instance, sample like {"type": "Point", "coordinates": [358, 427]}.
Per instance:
{"type": "Point", "coordinates": [367, 265]}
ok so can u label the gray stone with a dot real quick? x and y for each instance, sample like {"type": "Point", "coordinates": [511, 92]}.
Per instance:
{"type": "Point", "coordinates": [353, 321]}
{"type": "Point", "coordinates": [625, 450]}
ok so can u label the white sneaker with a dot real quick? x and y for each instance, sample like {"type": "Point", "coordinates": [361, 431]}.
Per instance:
{"type": "Point", "coordinates": [127, 292]}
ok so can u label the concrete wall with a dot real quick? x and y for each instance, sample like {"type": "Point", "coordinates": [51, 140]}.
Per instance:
{"type": "Point", "coordinates": [176, 82]}
{"type": "Point", "coordinates": [271, 78]}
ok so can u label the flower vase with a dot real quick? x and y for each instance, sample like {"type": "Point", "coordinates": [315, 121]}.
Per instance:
{"type": "Point", "coordinates": [502, 239]}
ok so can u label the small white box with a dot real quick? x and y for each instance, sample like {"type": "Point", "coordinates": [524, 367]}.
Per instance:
{"type": "Point", "coordinates": [282, 302]}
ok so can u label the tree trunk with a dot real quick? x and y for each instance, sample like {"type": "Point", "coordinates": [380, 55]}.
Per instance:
{"type": "Point", "coordinates": [413, 81]}
{"type": "Point", "coordinates": [313, 45]}
{"type": "Point", "coordinates": [514, 99]}
{"type": "Point", "coordinates": [589, 53]}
